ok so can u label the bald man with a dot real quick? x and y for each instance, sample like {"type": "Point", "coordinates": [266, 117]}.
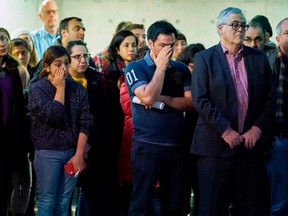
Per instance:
{"type": "Point", "coordinates": [48, 33]}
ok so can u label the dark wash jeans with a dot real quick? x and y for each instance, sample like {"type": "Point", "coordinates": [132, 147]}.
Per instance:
{"type": "Point", "coordinates": [151, 162]}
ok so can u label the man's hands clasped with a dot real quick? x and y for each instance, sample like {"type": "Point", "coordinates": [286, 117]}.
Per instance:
{"type": "Point", "coordinates": [249, 138]}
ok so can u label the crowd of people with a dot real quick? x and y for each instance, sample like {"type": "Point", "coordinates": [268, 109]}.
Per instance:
{"type": "Point", "coordinates": [146, 122]}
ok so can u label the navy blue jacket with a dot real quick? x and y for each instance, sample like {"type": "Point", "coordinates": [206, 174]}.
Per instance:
{"type": "Point", "coordinates": [214, 98]}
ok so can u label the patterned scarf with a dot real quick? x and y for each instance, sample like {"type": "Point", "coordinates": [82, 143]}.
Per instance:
{"type": "Point", "coordinates": [281, 114]}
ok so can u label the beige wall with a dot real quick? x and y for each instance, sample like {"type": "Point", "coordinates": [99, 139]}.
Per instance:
{"type": "Point", "coordinates": [195, 18]}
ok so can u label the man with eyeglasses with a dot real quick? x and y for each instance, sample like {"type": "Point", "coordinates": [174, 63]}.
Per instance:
{"type": "Point", "coordinates": [48, 33]}
{"type": "Point", "coordinates": [233, 92]}
{"type": "Point", "coordinates": [255, 36]}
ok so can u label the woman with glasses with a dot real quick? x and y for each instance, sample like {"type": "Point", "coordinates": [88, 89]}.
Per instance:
{"type": "Point", "coordinates": [60, 125]}
{"type": "Point", "coordinates": [79, 61]}
{"type": "Point", "coordinates": [78, 70]}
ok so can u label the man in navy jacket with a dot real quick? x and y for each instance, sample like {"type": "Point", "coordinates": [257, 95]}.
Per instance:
{"type": "Point", "coordinates": [233, 92]}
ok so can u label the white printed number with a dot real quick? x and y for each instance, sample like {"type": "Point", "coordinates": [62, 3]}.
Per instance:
{"type": "Point", "coordinates": [131, 77]}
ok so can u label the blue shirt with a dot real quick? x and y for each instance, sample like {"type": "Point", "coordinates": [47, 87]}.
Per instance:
{"type": "Point", "coordinates": [163, 127]}
{"type": "Point", "coordinates": [42, 40]}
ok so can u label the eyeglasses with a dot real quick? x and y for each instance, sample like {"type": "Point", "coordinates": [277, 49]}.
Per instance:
{"type": "Point", "coordinates": [256, 40]}
{"type": "Point", "coordinates": [78, 57]}
{"type": "Point", "coordinates": [237, 25]}
{"type": "Point", "coordinates": [48, 12]}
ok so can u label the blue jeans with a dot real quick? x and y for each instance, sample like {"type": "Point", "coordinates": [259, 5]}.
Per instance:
{"type": "Point", "coordinates": [278, 173]}
{"type": "Point", "coordinates": [150, 163]}
{"type": "Point", "coordinates": [54, 186]}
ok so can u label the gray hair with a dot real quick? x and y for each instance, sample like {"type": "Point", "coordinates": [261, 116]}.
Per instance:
{"type": "Point", "coordinates": [279, 27]}
{"type": "Point", "coordinates": [224, 14]}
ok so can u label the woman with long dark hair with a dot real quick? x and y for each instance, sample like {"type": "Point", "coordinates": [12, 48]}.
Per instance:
{"type": "Point", "coordinates": [102, 188]}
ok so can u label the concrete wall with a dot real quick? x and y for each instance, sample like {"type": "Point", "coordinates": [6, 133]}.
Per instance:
{"type": "Point", "coordinates": [195, 18]}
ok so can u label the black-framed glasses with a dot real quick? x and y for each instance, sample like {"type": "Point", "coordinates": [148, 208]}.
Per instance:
{"type": "Point", "coordinates": [237, 25]}
{"type": "Point", "coordinates": [78, 57]}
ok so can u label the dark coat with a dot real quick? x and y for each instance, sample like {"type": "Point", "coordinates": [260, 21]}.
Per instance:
{"type": "Point", "coordinates": [215, 100]}
{"type": "Point", "coordinates": [16, 133]}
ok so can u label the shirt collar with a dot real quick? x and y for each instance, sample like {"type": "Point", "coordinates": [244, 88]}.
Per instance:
{"type": "Point", "coordinates": [47, 33]}
{"type": "Point", "coordinates": [225, 50]}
